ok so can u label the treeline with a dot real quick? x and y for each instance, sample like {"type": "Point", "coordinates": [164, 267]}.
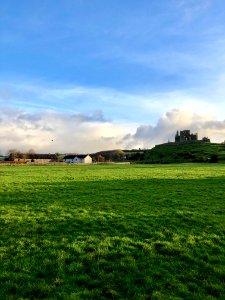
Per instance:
{"type": "Point", "coordinates": [31, 155]}
{"type": "Point", "coordinates": [119, 155]}
{"type": "Point", "coordinates": [110, 155]}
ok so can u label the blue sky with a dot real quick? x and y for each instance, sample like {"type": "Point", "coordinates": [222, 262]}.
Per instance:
{"type": "Point", "coordinates": [103, 74]}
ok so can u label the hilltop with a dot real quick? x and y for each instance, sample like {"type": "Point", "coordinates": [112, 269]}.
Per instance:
{"type": "Point", "coordinates": [186, 152]}
{"type": "Point", "coordinates": [187, 147]}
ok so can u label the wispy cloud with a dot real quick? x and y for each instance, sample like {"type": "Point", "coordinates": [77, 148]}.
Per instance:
{"type": "Point", "coordinates": [192, 9]}
{"type": "Point", "coordinates": [139, 107]}
{"type": "Point", "coordinates": [115, 104]}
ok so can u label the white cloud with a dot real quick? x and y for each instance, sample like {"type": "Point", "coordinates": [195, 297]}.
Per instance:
{"type": "Point", "coordinates": [49, 131]}
{"type": "Point", "coordinates": [147, 136]}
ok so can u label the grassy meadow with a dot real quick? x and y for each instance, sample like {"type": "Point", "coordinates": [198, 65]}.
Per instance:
{"type": "Point", "coordinates": [112, 232]}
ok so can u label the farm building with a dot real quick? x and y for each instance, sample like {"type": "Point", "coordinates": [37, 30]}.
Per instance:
{"type": "Point", "coordinates": [75, 158]}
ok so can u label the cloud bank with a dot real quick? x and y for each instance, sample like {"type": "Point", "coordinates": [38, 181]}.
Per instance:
{"type": "Point", "coordinates": [149, 135]}
{"type": "Point", "coordinates": [50, 131]}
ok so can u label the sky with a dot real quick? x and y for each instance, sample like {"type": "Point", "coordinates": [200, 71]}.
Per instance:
{"type": "Point", "coordinates": [80, 76]}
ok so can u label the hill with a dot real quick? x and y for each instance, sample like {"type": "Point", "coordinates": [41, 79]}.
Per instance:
{"type": "Point", "coordinates": [185, 152]}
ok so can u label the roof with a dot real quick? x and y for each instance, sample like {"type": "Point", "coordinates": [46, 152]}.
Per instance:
{"type": "Point", "coordinates": [72, 156]}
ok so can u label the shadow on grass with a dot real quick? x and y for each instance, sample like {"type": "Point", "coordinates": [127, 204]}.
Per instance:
{"type": "Point", "coordinates": [128, 239]}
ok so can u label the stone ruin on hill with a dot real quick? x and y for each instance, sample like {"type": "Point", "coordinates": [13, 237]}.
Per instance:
{"type": "Point", "coordinates": [186, 136]}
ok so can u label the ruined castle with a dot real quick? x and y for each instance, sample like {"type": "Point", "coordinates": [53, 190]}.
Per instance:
{"type": "Point", "coordinates": [186, 136]}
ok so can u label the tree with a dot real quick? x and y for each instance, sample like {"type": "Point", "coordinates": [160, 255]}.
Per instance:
{"type": "Point", "coordinates": [31, 154]}
{"type": "Point", "coordinates": [100, 158]}
{"type": "Point", "coordinates": [13, 154]}
{"type": "Point", "coordinates": [57, 156]}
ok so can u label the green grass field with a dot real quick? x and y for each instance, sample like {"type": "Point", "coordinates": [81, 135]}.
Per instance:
{"type": "Point", "coordinates": [112, 232]}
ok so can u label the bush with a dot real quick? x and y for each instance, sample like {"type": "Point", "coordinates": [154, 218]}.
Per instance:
{"type": "Point", "coordinates": [213, 158]}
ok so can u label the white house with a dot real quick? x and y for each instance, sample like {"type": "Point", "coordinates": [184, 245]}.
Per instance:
{"type": "Point", "coordinates": [75, 158]}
